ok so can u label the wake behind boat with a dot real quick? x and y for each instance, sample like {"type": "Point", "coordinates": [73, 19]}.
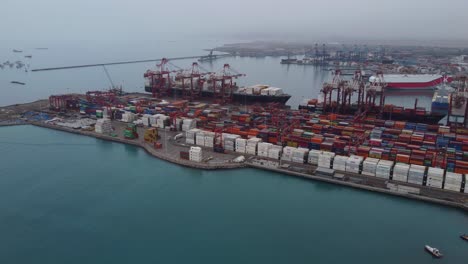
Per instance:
{"type": "Point", "coordinates": [433, 251]}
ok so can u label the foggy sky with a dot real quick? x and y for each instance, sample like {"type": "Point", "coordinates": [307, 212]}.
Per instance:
{"type": "Point", "coordinates": [107, 21]}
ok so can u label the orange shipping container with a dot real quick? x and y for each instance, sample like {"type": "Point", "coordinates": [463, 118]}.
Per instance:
{"type": "Point", "coordinates": [402, 158]}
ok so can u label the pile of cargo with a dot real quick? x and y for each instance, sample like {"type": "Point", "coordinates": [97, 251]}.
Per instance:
{"type": "Point", "coordinates": [103, 126]}
{"type": "Point", "coordinates": [313, 156]}
{"type": "Point", "coordinates": [353, 164]}
{"type": "Point", "coordinates": [130, 132]}
{"type": "Point", "coordinates": [325, 159]}
{"type": "Point", "coordinates": [435, 177]}
{"type": "Point", "coordinates": [241, 145]}
{"type": "Point", "coordinates": [287, 153]}
{"type": "Point", "coordinates": [453, 181]}
{"type": "Point", "coordinates": [229, 141]}
{"type": "Point", "coordinates": [384, 169]}
{"type": "Point", "coordinates": [200, 138]}
{"type": "Point", "coordinates": [416, 174]}
{"type": "Point", "coordinates": [128, 117]}
{"type": "Point", "coordinates": [339, 162]}
{"type": "Point", "coordinates": [400, 172]}
{"type": "Point", "coordinates": [369, 166]}
{"type": "Point", "coordinates": [263, 149]}
{"type": "Point", "coordinates": [151, 135]}
{"type": "Point", "coordinates": [300, 155]}
{"type": "Point", "coordinates": [190, 136]}
{"type": "Point", "coordinates": [209, 139]}
{"type": "Point", "coordinates": [188, 124]}
{"type": "Point", "coordinates": [251, 147]}
{"type": "Point", "coordinates": [196, 154]}
{"type": "Point", "coordinates": [274, 152]}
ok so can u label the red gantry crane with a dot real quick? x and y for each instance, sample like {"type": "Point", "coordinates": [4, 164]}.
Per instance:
{"type": "Point", "coordinates": [160, 79]}
{"type": "Point", "coordinates": [223, 83]}
{"type": "Point", "coordinates": [192, 81]}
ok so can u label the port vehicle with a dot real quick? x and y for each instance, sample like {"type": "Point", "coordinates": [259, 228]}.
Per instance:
{"type": "Point", "coordinates": [464, 237]}
{"type": "Point", "coordinates": [433, 251]}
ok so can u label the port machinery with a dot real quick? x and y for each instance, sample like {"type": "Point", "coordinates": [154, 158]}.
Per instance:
{"type": "Point", "coordinates": [338, 93]}
{"type": "Point", "coordinates": [195, 77]}
{"type": "Point", "coordinates": [190, 82]}
{"type": "Point", "coordinates": [458, 103]}
{"type": "Point", "coordinates": [223, 84]}
{"type": "Point", "coordinates": [160, 79]}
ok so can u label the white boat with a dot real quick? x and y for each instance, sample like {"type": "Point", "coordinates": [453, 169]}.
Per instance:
{"type": "Point", "coordinates": [433, 251]}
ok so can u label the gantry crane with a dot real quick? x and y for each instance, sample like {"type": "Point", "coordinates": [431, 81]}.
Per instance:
{"type": "Point", "coordinates": [223, 83]}
{"type": "Point", "coordinates": [160, 79]}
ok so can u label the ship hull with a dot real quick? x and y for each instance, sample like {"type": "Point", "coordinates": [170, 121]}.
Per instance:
{"type": "Point", "coordinates": [240, 98]}
{"type": "Point", "coordinates": [428, 118]}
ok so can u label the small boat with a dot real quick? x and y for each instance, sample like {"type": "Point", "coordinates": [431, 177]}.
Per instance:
{"type": "Point", "coordinates": [17, 51]}
{"type": "Point", "coordinates": [16, 82]}
{"type": "Point", "coordinates": [464, 237]}
{"type": "Point", "coordinates": [433, 251]}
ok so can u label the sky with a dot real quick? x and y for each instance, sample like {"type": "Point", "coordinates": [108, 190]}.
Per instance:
{"type": "Point", "coordinates": [109, 21]}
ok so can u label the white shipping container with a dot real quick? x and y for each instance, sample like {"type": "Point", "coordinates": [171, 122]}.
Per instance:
{"type": "Point", "coordinates": [339, 162]}
{"type": "Point", "coordinates": [384, 168]}
{"type": "Point", "coordinates": [435, 173]}
{"type": "Point", "coordinates": [369, 166]}
{"type": "Point", "coordinates": [353, 164]}
{"type": "Point", "coordinates": [314, 156]}
{"type": "Point", "coordinates": [200, 138]}
{"type": "Point", "coordinates": [400, 172]}
{"type": "Point", "coordinates": [209, 141]}
{"type": "Point", "coordinates": [325, 159]}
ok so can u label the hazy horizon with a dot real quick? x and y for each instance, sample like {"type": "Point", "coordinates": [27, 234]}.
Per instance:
{"type": "Point", "coordinates": [121, 22]}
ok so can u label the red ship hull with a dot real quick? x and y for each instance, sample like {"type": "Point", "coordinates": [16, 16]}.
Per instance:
{"type": "Point", "coordinates": [416, 85]}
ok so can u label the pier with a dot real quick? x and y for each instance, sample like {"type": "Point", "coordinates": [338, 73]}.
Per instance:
{"type": "Point", "coordinates": [112, 63]}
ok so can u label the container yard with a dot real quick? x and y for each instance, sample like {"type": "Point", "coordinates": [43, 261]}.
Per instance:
{"type": "Point", "coordinates": [345, 138]}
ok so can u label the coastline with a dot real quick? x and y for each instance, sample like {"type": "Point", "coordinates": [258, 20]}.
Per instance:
{"type": "Point", "coordinates": [227, 165]}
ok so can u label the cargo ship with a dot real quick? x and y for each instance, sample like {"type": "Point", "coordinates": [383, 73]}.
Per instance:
{"type": "Point", "coordinates": [251, 94]}
{"type": "Point", "coordinates": [410, 81]}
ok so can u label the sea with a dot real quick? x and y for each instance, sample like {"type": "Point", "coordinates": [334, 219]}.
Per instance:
{"type": "Point", "coordinates": [303, 82]}
{"type": "Point", "coordinates": [67, 198]}
{"type": "Point", "coordinates": [72, 199]}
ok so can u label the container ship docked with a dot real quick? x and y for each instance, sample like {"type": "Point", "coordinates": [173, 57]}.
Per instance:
{"type": "Point", "coordinates": [193, 84]}
{"type": "Point", "coordinates": [251, 94]}
{"type": "Point", "coordinates": [336, 97]}
{"type": "Point", "coordinates": [411, 81]}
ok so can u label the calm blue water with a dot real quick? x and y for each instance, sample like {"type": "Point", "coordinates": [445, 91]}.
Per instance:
{"type": "Point", "coordinates": [301, 82]}
{"type": "Point", "coordinates": [73, 199]}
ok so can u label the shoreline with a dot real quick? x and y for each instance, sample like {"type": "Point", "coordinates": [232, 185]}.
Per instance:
{"type": "Point", "coordinates": [207, 166]}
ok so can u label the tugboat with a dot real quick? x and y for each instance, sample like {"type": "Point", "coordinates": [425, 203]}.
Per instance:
{"type": "Point", "coordinates": [433, 251]}
{"type": "Point", "coordinates": [464, 237]}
